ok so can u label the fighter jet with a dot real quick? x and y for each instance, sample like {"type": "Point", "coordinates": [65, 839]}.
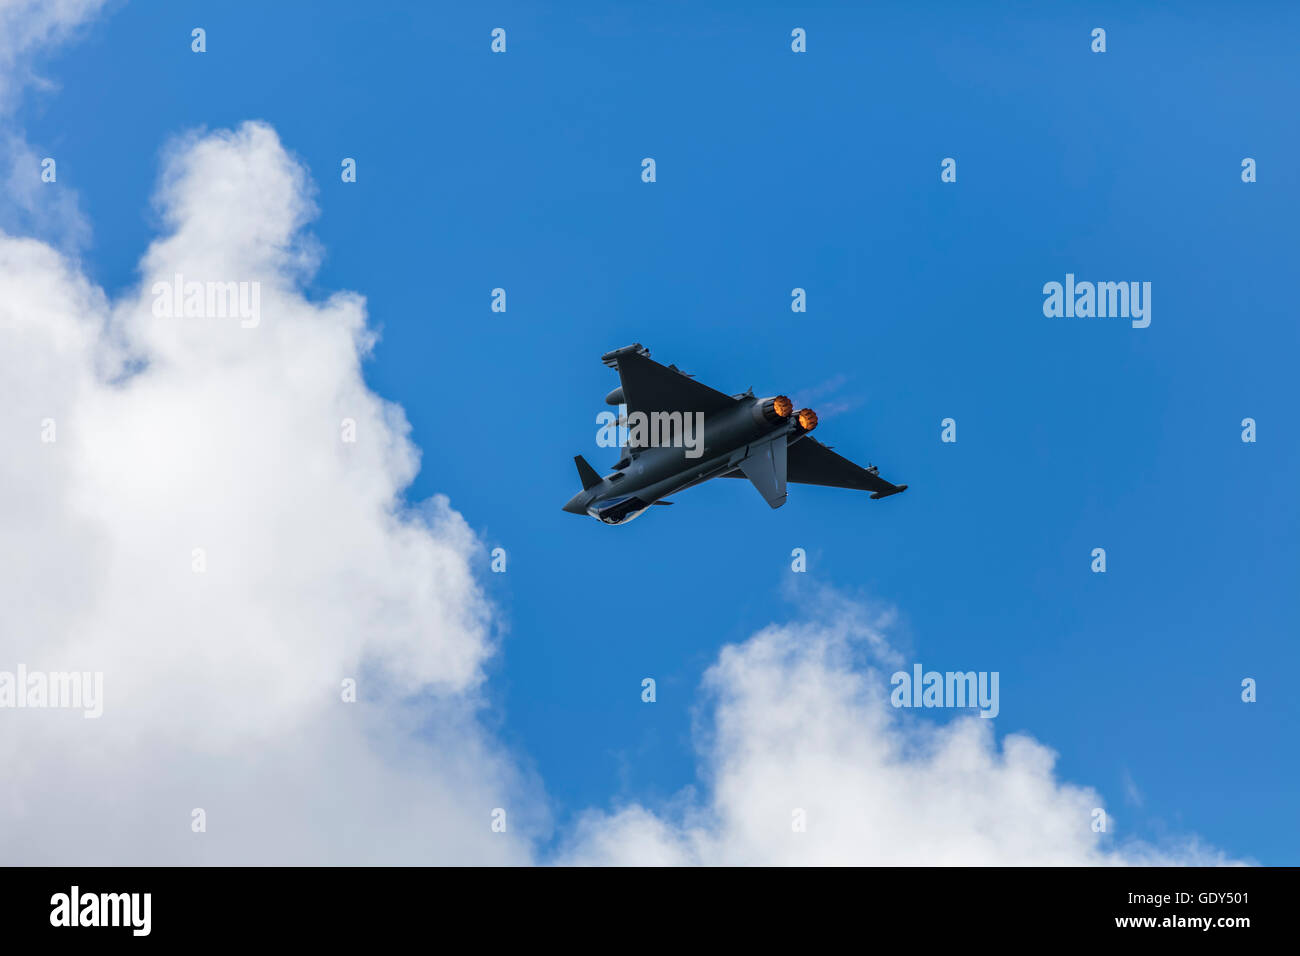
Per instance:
{"type": "Point", "coordinates": [682, 433]}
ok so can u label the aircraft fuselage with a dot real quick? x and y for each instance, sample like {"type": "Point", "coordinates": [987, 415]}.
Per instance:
{"type": "Point", "coordinates": [651, 474]}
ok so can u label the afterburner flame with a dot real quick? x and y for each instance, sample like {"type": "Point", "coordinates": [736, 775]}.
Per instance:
{"type": "Point", "coordinates": [807, 419]}
{"type": "Point", "coordinates": [782, 406]}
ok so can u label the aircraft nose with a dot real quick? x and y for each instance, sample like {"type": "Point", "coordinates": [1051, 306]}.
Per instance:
{"type": "Point", "coordinates": [577, 504]}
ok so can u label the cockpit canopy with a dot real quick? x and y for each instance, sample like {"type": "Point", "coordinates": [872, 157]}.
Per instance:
{"type": "Point", "coordinates": [618, 510]}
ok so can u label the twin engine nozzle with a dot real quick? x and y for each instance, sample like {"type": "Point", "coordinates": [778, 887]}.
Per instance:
{"type": "Point", "coordinates": [779, 408]}
{"type": "Point", "coordinates": [776, 410]}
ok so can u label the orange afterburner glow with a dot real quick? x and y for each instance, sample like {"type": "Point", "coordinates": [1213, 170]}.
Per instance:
{"type": "Point", "coordinates": [782, 406]}
{"type": "Point", "coordinates": [807, 419]}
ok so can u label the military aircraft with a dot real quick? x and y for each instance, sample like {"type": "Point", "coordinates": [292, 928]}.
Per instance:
{"type": "Point", "coordinates": [682, 433]}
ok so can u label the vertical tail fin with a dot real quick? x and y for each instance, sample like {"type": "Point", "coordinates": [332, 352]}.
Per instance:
{"type": "Point", "coordinates": [590, 479]}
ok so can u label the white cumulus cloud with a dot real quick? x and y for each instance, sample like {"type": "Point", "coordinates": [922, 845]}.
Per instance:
{"type": "Point", "coordinates": [29, 28]}
{"type": "Point", "coordinates": [805, 762]}
{"type": "Point", "coordinates": [33, 206]}
{"type": "Point", "coordinates": [223, 689]}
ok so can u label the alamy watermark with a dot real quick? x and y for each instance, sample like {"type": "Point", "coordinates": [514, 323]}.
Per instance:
{"type": "Point", "coordinates": [130, 910]}
{"type": "Point", "coordinates": [652, 430]}
{"type": "Point", "coordinates": [178, 299]}
{"type": "Point", "coordinates": [946, 689]}
{"type": "Point", "coordinates": [61, 690]}
{"type": "Point", "coordinates": [1103, 300]}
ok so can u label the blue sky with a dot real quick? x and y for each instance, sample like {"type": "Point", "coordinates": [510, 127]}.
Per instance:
{"type": "Point", "coordinates": [818, 171]}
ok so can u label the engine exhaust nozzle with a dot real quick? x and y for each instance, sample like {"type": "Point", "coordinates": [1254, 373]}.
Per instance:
{"type": "Point", "coordinates": [807, 419]}
{"type": "Point", "coordinates": [777, 409]}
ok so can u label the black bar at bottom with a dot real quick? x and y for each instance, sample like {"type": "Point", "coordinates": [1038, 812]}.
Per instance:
{"type": "Point", "coordinates": [333, 906]}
